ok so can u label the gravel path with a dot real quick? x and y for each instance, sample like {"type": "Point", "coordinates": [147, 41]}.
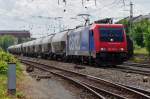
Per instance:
{"type": "Point", "coordinates": [53, 88]}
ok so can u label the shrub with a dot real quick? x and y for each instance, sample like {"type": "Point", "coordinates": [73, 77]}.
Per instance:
{"type": "Point", "coordinates": [7, 57]}
{"type": "Point", "coordinates": [4, 59]}
{"type": "Point", "coordinates": [3, 67]}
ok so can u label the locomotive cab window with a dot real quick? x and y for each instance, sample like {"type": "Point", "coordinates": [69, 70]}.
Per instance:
{"type": "Point", "coordinates": [111, 35]}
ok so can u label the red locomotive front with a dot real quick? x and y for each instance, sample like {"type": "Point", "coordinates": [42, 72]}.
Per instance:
{"type": "Point", "coordinates": [110, 43]}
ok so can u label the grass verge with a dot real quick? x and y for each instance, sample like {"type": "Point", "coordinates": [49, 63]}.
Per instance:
{"type": "Point", "coordinates": [140, 51]}
{"type": "Point", "coordinates": [5, 58]}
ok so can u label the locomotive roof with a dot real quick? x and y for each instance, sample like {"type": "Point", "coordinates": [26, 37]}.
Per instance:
{"type": "Point", "coordinates": [106, 25]}
{"type": "Point", "coordinates": [109, 24]}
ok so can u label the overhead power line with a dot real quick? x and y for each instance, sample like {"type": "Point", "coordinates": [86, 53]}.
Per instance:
{"type": "Point", "coordinates": [83, 1]}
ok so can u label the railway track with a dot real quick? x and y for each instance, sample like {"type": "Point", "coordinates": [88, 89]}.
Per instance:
{"type": "Point", "coordinates": [138, 89]}
{"type": "Point", "coordinates": [130, 67]}
{"type": "Point", "coordinates": [99, 87]}
{"type": "Point", "coordinates": [137, 68]}
{"type": "Point", "coordinates": [137, 64]}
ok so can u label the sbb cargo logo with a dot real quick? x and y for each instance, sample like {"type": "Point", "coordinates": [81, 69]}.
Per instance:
{"type": "Point", "coordinates": [74, 41]}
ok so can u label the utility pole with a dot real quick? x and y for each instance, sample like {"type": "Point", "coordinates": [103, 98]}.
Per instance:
{"type": "Point", "coordinates": [95, 3]}
{"type": "Point", "coordinates": [58, 2]}
{"type": "Point", "coordinates": [131, 10]}
{"type": "Point", "coordinates": [131, 16]}
{"type": "Point", "coordinates": [82, 3]}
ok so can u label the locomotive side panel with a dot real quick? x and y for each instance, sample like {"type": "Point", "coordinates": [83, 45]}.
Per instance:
{"type": "Point", "coordinates": [78, 42]}
{"type": "Point", "coordinates": [73, 43]}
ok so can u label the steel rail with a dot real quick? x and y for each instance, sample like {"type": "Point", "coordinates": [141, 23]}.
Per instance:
{"type": "Point", "coordinates": [137, 64]}
{"type": "Point", "coordinates": [93, 89]}
{"type": "Point", "coordinates": [137, 89]}
{"type": "Point", "coordinates": [70, 79]}
{"type": "Point", "coordinates": [95, 78]}
{"type": "Point", "coordinates": [129, 69]}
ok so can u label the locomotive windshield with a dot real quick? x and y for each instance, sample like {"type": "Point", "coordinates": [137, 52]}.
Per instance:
{"type": "Point", "coordinates": [111, 34]}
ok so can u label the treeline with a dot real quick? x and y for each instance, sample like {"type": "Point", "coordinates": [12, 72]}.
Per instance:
{"type": "Point", "coordinates": [6, 41]}
{"type": "Point", "coordinates": [139, 32]}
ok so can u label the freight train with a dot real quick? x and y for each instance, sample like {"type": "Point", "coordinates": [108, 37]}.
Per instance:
{"type": "Point", "coordinates": [100, 44]}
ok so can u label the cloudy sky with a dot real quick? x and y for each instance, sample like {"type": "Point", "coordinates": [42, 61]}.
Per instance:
{"type": "Point", "coordinates": [41, 16]}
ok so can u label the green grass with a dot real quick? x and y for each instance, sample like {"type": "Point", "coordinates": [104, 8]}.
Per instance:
{"type": "Point", "coordinates": [3, 87]}
{"type": "Point", "coordinates": [137, 60]}
{"type": "Point", "coordinates": [140, 51]}
{"type": "Point", "coordinates": [5, 58]}
{"type": "Point", "coordinates": [3, 84]}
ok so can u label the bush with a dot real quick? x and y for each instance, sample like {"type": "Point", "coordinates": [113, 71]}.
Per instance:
{"type": "Point", "coordinates": [4, 59]}
{"type": "Point", "coordinates": [3, 67]}
{"type": "Point", "coordinates": [6, 41]}
{"type": "Point", "coordinates": [7, 57]}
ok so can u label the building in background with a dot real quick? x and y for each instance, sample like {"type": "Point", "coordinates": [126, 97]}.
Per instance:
{"type": "Point", "coordinates": [20, 35]}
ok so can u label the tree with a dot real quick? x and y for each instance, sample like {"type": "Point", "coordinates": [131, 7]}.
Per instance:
{"type": "Point", "coordinates": [6, 41]}
{"type": "Point", "coordinates": [140, 32]}
{"type": "Point", "coordinates": [137, 33]}
{"type": "Point", "coordinates": [147, 42]}
{"type": "Point", "coordinates": [147, 35]}
{"type": "Point", "coordinates": [126, 24]}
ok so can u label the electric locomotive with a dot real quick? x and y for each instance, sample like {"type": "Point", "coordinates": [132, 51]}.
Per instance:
{"type": "Point", "coordinates": [101, 43]}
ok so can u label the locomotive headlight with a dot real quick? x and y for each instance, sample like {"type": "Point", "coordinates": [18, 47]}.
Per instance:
{"type": "Point", "coordinates": [122, 49]}
{"type": "Point", "coordinates": [103, 49]}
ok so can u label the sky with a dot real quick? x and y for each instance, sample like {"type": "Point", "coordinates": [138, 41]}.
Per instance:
{"type": "Point", "coordinates": [43, 17]}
